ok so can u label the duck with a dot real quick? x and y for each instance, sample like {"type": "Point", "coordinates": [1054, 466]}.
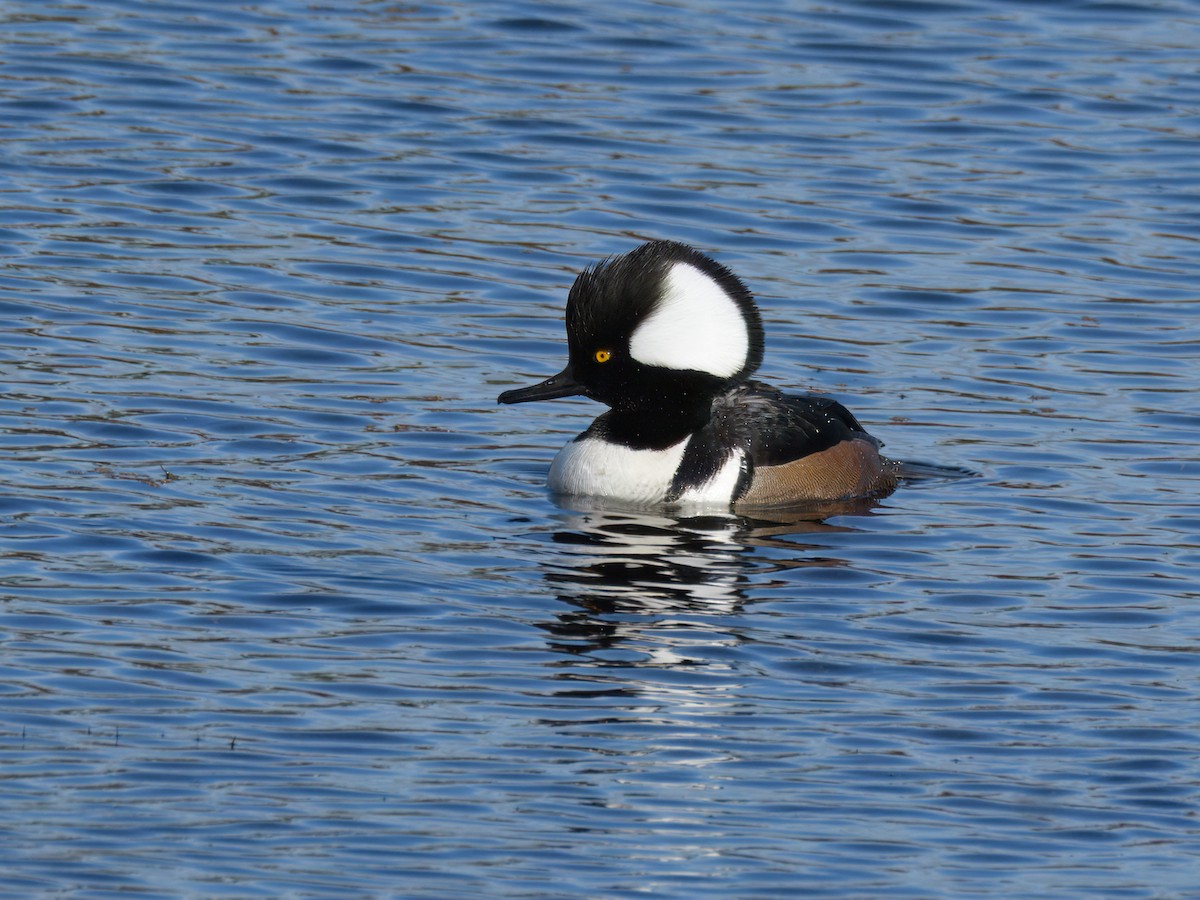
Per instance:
{"type": "Point", "coordinates": [668, 339]}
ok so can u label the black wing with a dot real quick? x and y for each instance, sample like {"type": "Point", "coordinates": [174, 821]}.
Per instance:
{"type": "Point", "coordinates": [772, 427]}
{"type": "Point", "coordinates": [779, 428]}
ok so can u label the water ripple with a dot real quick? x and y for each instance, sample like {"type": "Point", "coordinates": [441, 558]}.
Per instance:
{"type": "Point", "coordinates": [285, 607]}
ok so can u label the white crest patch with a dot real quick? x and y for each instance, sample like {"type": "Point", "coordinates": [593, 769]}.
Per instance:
{"type": "Point", "coordinates": [596, 468]}
{"type": "Point", "coordinates": [696, 325]}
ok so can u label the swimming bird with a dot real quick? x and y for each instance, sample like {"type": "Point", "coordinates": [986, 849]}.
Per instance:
{"type": "Point", "coordinates": [668, 338]}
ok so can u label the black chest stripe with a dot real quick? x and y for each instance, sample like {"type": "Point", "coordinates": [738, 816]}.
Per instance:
{"type": "Point", "coordinates": [702, 459]}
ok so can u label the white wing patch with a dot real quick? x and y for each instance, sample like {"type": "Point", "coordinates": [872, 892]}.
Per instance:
{"type": "Point", "coordinates": [695, 325]}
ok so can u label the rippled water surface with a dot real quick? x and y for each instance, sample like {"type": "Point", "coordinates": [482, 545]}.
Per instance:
{"type": "Point", "coordinates": [285, 608]}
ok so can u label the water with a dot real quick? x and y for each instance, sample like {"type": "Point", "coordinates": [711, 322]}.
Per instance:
{"type": "Point", "coordinates": [286, 609]}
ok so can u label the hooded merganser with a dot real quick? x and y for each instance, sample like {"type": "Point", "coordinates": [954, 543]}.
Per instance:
{"type": "Point", "coordinates": [668, 338]}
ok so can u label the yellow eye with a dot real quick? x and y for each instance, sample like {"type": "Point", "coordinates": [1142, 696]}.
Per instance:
{"type": "Point", "coordinates": [602, 356]}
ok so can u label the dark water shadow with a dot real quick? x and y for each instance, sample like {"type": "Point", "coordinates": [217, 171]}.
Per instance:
{"type": "Point", "coordinates": [916, 473]}
{"type": "Point", "coordinates": [623, 567]}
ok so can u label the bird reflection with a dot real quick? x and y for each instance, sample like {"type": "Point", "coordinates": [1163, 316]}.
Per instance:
{"type": "Point", "coordinates": [619, 567]}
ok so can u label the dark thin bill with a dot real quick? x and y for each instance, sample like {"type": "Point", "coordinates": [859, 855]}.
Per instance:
{"type": "Point", "coordinates": [561, 385]}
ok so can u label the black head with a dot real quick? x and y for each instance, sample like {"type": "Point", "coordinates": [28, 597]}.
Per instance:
{"type": "Point", "coordinates": [660, 326]}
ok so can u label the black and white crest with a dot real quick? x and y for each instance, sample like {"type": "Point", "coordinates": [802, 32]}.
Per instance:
{"type": "Point", "coordinates": [672, 306]}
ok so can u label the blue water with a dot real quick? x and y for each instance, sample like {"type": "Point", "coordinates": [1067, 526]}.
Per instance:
{"type": "Point", "coordinates": [285, 608]}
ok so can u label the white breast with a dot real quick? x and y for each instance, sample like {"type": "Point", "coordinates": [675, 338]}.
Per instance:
{"type": "Point", "coordinates": [596, 468]}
